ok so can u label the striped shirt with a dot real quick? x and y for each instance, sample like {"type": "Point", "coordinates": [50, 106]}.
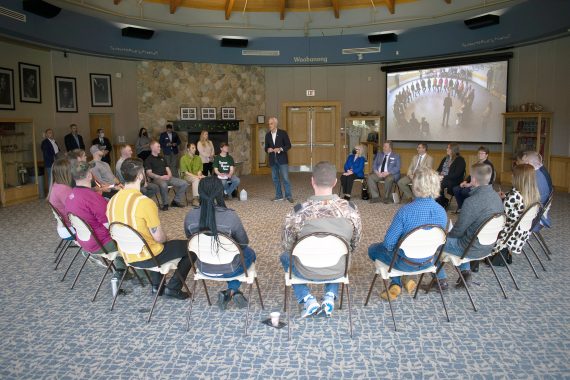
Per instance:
{"type": "Point", "coordinates": [129, 206]}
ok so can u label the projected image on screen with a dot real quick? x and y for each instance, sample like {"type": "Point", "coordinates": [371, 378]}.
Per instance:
{"type": "Point", "coordinates": [456, 103]}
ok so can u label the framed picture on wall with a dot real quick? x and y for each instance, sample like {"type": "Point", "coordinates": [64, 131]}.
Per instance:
{"type": "Point", "coordinates": [101, 93]}
{"type": "Point", "coordinates": [7, 89]}
{"type": "Point", "coordinates": [260, 119]}
{"type": "Point", "coordinates": [30, 83]}
{"type": "Point", "coordinates": [208, 113]}
{"type": "Point", "coordinates": [188, 113]}
{"type": "Point", "coordinates": [228, 113]}
{"type": "Point", "coordinates": [65, 95]}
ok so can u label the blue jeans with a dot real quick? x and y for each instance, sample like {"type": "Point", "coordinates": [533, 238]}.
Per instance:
{"type": "Point", "coordinates": [231, 185]}
{"type": "Point", "coordinates": [249, 257]}
{"type": "Point", "coordinates": [302, 290]}
{"type": "Point", "coordinates": [379, 252]}
{"type": "Point", "coordinates": [284, 170]}
{"type": "Point", "coordinates": [461, 194]}
{"type": "Point", "coordinates": [48, 170]}
{"type": "Point", "coordinates": [452, 246]}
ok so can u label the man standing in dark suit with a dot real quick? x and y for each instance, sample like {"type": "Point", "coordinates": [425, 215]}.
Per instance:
{"type": "Point", "coordinates": [50, 149]}
{"type": "Point", "coordinates": [169, 142]}
{"type": "Point", "coordinates": [277, 144]}
{"type": "Point", "coordinates": [104, 145]}
{"type": "Point", "coordinates": [74, 140]}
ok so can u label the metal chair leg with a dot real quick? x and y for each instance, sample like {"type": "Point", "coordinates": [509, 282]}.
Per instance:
{"type": "Point", "coordinates": [285, 300]}
{"type": "Point", "coordinates": [60, 247]}
{"type": "Point", "coordinates": [530, 263]}
{"type": "Point", "coordinates": [443, 301]}
{"type": "Point", "coordinates": [466, 288]}
{"type": "Point", "coordinates": [510, 272]}
{"type": "Point", "coordinates": [102, 279]}
{"type": "Point", "coordinates": [62, 252]}
{"type": "Point", "coordinates": [341, 296]}
{"type": "Point", "coordinates": [349, 310]}
{"type": "Point", "coordinates": [389, 303]}
{"type": "Point", "coordinates": [160, 286]}
{"type": "Point", "coordinates": [207, 294]}
{"type": "Point", "coordinates": [259, 293]}
{"type": "Point", "coordinates": [495, 273]}
{"type": "Point", "coordinates": [119, 287]}
{"type": "Point", "coordinates": [192, 297]}
{"type": "Point", "coordinates": [248, 305]}
{"type": "Point", "coordinates": [370, 290]}
{"type": "Point", "coordinates": [538, 236]}
{"type": "Point", "coordinates": [288, 314]}
{"type": "Point", "coordinates": [536, 255]}
{"type": "Point", "coordinates": [80, 270]}
{"type": "Point", "coordinates": [418, 285]}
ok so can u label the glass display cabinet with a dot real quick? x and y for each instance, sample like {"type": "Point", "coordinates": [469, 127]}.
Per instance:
{"type": "Point", "coordinates": [364, 130]}
{"type": "Point", "coordinates": [18, 161]}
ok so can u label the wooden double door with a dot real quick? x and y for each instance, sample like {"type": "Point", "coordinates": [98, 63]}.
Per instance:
{"type": "Point", "coordinates": [313, 131]}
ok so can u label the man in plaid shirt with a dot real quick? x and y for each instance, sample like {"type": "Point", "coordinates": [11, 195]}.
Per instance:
{"type": "Point", "coordinates": [322, 212]}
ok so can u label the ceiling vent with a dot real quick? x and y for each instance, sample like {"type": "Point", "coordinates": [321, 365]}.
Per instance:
{"type": "Point", "coordinates": [382, 38]}
{"type": "Point", "coordinates": [261, 53]}
{"type": "Point", "coordinates": [12, 14]}
{"type": "Point", "coordinates": [141, 33]}
{"type": "Point", "coordinates": [482, 21]}
{"type": "Point", "coordinates": [234, 42]}
{"type": "Point", "coordinates": [366, 50]}
{"type": "Point", "coordinates": [41, 8]}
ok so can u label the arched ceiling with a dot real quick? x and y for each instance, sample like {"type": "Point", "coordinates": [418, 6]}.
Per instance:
{"type": "Point", "coordinates": [283, 18]}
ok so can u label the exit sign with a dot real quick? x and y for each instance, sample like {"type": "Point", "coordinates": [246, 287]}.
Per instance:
{"type": "Point", "coordinates": [310, 92]}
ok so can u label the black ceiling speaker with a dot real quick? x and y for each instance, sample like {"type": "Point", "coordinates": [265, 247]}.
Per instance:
{"type": "Point", "coordinates": [145, 34]}
{"type": "Point", "coordinates": [382, 38]}
{"type": "Point", "coordinates": [41, 8]}
{"type": "Point", "coordinates": [234, 42]}
{"type": "Point", "coordinates": [482, 21]}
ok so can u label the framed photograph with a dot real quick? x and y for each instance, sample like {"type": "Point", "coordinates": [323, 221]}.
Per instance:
{"type": "Point", "coordinates": [7, 101]}
{"type": "Point", "coordinates": [228, 113]}
{"type": "Point", "coordinates": [208, 113]}
{"type": "Point", "coordinates": [65, 94]}
{"type": "Point", "coordinates": [188, 113]}
{"type": "Point", "coordinates": [30, 83]}
{"type": "Point", "coordinates": [101, 93]}
{"type": "Point", "coordinates": [260, 119]}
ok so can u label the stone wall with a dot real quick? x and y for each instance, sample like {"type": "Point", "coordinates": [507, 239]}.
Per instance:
{"type": "Point", "coordinates": [164, 87]}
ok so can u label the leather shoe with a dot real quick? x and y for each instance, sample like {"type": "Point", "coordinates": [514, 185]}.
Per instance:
{"type": "Point", "coordinates": [164, 208]}
{"type": "Point", "coordinates": [433, 286]}
{"type": "Point", "coordinates": [176, 293]}
{"type": "Point", "coordinates": [155, 289]}
{"type": "Point", "coordinates": [467, 276]}
{"type": "Point", "coordinates": [176, 204]}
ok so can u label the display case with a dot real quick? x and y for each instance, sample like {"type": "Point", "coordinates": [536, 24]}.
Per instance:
{"type": "Point", "coordinates": [364, 130]}
{"type": "Point", "coordinates": [259, 158]}
{"type": "Point", "coordinates": [524, 131]}
{"type": "Point", "coordinates": [18, 161]}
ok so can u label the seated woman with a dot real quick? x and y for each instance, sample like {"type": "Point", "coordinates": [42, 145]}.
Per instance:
{"type": "Point", "coordinates": [353, 169]}
{"type": "Point", "coordinates": [462, 190]}
{"type": "Point", "coordinates": [522, 195]}
{"type": "Point", "coordinates": [422, 210]}
{"type": "Point", "coordinates": [451, 172]}
{"type": "Point", "coordinates": [59, 191]}
{"type": "Point", "coordinates": [215, 217]}
{"type": "Point", "coordinates": [191, 170]}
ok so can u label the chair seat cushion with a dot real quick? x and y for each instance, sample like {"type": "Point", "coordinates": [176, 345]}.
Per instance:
{"type": "Point", "coordinates": [164, 268]}
{"type": "Point", "coordinates": [457, 260]}
{"type": "Point", "coordinates": [382, 270]}
{"type": "Point", "coordinates": [251, 275]}
{"type": "Point", "coordinates": [110, 256]}
{"type": "Point", "coordinates": [299, 280]}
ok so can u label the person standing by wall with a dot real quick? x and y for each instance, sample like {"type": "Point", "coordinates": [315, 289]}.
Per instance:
{"type": "Point", "coordinates": [104, 145]}
{"type": "Point", "coordinates": [73, 140]}
{"type": "Point", "coordinates": [169, 142]}
{"type": "Point", "coordinates": [50, 150]}
{"type": "Point", "coordinates": [277, 144]}
{"type": "Point", "coordinates": [206, 150]}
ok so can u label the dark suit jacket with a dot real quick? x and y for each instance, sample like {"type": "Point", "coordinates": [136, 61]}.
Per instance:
{"type": "Point", "coordinates": [392, 166]}
{"type": "Point", "coordinates": [48, 153]}
{"type": "Point", "coordinates": [166, 150]}
{"type": "Point", "coordinates": [455, 175]}
{"type": "Point", "coordinates": [281, 141]}
{"type": "Point", "coordinates": [108, 146]}
{"type": "Point", "coordinates": [71, 144]}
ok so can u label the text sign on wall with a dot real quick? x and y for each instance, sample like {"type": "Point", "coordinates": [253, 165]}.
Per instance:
{"type": "Point", "coordinates": [310, 92]}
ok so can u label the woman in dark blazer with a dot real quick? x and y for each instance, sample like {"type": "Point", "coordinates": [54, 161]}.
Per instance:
{"type": "Point", "coordinates": [451, 171]}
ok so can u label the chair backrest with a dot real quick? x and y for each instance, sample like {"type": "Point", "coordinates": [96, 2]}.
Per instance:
{"type": "Point", "coordinates": [528, 218]}
{"type": "Point", "coordinates": [129, 241]}
{"type": "Point", "coordinates": [59, 219]}
{"type": "Point", "coordinates": [83, 231]}
{"type": "Point", "coordinates": [209, 251]}
{"type": "Point", "coordinates": [488, 231]}
{"type": "Point", "coordinates": [423, 241]}
{"type": "Point", "coordinates": [320, 250]}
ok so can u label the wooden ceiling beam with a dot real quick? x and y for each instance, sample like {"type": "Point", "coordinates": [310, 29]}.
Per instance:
{"type": "Point", "coordinates": [282, 9]}
{"type": "Point", "coordinates": [336, 7]}
{"type": "Point", "coordinates": [229, 8]}
{"type": "Point", "coordinates": [391, 4]}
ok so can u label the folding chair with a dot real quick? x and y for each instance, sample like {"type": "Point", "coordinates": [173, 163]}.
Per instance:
{"type": "Point", "coordinates": [170, 187]}
{"type": "Point", "coordinates": [356, 180]}
{"type": "Point", "coordinates": [84, 233]}
{"type": "Point", "coordinates": [423, 242]}
{"type": "Point", "coordinates": [319, 250]}
{"type": "Point", "coordinates": [64, 242]}
{"type": "Point", "coordinates": [537, 235]}
{"type": "Point", "coordinates": [208, 251]}
{"type": "Point", "coordinates": [486, 234]}
{"type": "Point", "coordinates": [131, 243]}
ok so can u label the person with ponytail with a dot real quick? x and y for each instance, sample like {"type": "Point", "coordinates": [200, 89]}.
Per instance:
{"type": "Point", "coordinates": [213, 216]}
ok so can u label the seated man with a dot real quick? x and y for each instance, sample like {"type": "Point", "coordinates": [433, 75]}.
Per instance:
{"type": "Point", "coordinates": [148, 189]}
{"type": "Point", "coordinates": [160, 174]}
{"type": "Point", "coordinates": [481, 204]}
{"type": "Point", "coordinates": [224, 169]}
{"type": "Point", "coordinates": [420, 160]}
{"type": "Point", "coordinates": [90, 206]}
{"type": "Point", "coordinates": [463, 190]}
{"type": "Point", "coordinates": [543, 182]}
{"type": "Point", "coordinates": [324, 212]}
{"type": "Point", "coordinates": [129, 206]}
{"type": "Point", "coordinates": [423, 210]}
{"type": "Point", "coordinates": [386, 167]}
{"type": "Point", "coordinates": [102, 174]}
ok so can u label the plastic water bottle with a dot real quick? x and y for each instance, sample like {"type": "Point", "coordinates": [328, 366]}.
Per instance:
{"type": "Point", "coordinates": [114, 286]}
{"type": "Point", "coordinates": [243, 195]}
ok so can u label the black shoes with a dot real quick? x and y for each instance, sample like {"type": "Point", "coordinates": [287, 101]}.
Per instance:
{"type": "Point", "coordinates": [176, 204]}
{"type": "Point", "coordinates": [474, 266]}
{"type": "Point", "coordinates": [467, 276]}
{"type": "Point", "coordinates": [179, 294]}
{"type": "Point", "coordinates": [155, 289]}
{"type": "Point", "coordinates": [224, 298]}
{"type": "Point", "coordinates": [239, 300]}
{"type": "Point", "coordinates": [433, 285]}
{"type": "Point", "coordinates": [164, 208]}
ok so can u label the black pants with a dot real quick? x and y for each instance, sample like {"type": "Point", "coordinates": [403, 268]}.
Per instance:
{"type": "Point", "coordinates": [173, 249]}
{"type": "Point", "coordinates": [208, 169]}
{"type": "Point", "coordinates": [346, 182]}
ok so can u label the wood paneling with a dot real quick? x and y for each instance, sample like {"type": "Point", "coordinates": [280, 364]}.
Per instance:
{"type": "Point", "coordinates": [560, 172]}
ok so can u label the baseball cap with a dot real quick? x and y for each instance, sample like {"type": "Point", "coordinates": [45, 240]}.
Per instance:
{"type": "Point", "coordinates": [94, 149]}
{"type": "Point", "coordinates": [80, 169]}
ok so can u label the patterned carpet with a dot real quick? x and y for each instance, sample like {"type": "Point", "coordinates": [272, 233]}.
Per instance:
{"type": "Point", "coordinates": [50, 331]}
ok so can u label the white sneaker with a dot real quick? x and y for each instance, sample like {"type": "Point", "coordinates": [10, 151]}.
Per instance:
{"type": "Point", "coordinates": [311, 307]}
{"type": "Point", "coordinates": [327, 306]}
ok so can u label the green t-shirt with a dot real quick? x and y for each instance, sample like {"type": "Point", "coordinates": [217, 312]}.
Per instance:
{"type": "Point", "coordinates": [223, 163]}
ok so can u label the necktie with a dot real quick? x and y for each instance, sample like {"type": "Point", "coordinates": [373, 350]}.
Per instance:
{"type": "Point", "coordinates": [383, 166]}
{"type": "Point", "coordinates": [418, 164]}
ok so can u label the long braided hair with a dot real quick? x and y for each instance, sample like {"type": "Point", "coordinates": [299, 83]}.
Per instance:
{"type": "Point", "coordinates": [211, 192]}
